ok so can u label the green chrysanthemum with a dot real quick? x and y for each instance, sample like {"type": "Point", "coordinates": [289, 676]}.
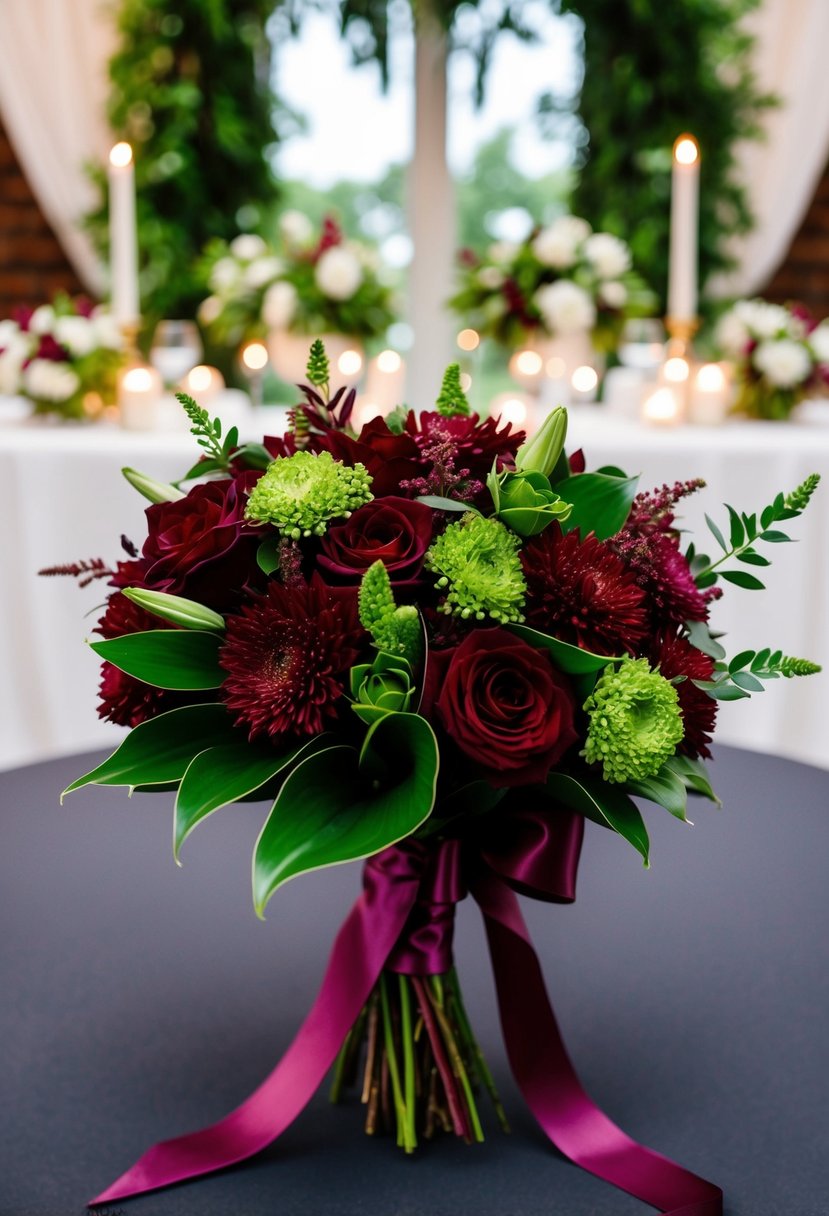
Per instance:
{"type": "Point", "coordinates": [479, 568]}
{"type": "Point", "coordinates": [299, 494]}
{"type": "Point", "coordinates": [635, 722]}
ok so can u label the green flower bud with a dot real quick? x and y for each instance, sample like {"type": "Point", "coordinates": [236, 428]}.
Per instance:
{"type": "Point", "coordinates": [155, 491]}
{"type": "Point", "coordinates": [186, 613]}
{"type": "Point", "coordinates": [525, 502]}
{"type": "Point", "coordinates": [540, 454]}
{"type": "Point", "coordinates": [393, 629]}
{"type": "Point", "coordinates": [635, 722]}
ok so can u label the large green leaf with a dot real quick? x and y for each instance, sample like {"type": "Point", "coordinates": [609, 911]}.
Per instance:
{"type": "Point", "coordinates": [666, 789]}
{"type": "Point", "coordinates": [167, 658]}
{"type": "Point", "coordinates": [339, 805]}
{"type": "Point", "coordinates": [694, 775]}
{"type": "Point", "coordinates": [601, 503]}
{"type": "Point", "coordinates": [605, 804]}
{"type": "Point", "coordinates": [568, 658]}
{"type": "Point", "coordinates": [224, 774]}
{"type": "Point", "coordinates": [159, 750]}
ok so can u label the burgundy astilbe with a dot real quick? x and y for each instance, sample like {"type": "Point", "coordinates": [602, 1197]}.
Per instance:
{"type": "Point", "coordinates": [85, 571]}
{"type": "Point", "coordinates": [477, 443]}
{"type": "Point", "coordinates": [287, 655]}
{"type": "Point", "coordinates": [653, 510]}
{"type": "Point", "coordinates": [580, 591]}
{"type": "Point", "coordinates": [675, 656]}
{"type": "Point", "coordinates": [439, 451]}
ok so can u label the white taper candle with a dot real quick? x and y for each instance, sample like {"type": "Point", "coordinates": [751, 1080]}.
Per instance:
{"type": "Point", "coordinates": [123, 237]}
{"type": "Point", "coordinates": [682, 268]}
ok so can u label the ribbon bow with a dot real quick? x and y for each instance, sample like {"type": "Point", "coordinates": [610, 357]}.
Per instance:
{"type": "Point", "coordinates": [403, 921]}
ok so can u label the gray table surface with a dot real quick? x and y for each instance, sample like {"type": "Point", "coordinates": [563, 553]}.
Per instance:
{"type": "Point", "coordinates": [138, 1001]}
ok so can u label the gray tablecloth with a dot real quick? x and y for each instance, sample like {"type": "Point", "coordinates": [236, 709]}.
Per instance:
{"type": "Point", "coordinates": [138, 1001]}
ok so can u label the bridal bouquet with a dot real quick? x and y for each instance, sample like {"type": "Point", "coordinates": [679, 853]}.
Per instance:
{"type": "Point", "coordinates": [315, 282]}
{"type": "Point", "coordinates": [64, 357]}
{"type": "Point", "coordinates": [564, 279]}
{"type": "Point", "coordinates": [780, 356]}
{"type": "Point", "coordinates": [439, 646]}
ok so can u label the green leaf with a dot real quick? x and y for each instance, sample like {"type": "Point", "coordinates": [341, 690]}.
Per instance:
{"type": "Point", "coordinates": [666, 789]}
{"type": "Point", "coordinates": [600, 503]}
{"type": "Point", "coordinates": [443, 504]}
{"type": "Point", "coordinates": [267, 555]}
{"type": "Point", "coordinates": [572, 660]}
{"type": "Point", "coordinates": [187, 613]}
{"type": "Point", "coordinates": [337, 806]}
{"type": "Point", "coordinates": [721, 690]}
{"type": "Point", "coordinates": [694, 774]}
{"type": "Point", "coordinates": [775, 538]}
{"type": "Point", "coordinates": [738, 532]}
{"type": "Point", "coordinates": [699, 635]}
{"type": "Point", "coordinates": [159, 750]}
{"type": "Point", "coordinates": [717, 534]}
{"type": "Point", "coordinates": [607, 805]}
{"type": "Point", "coordinates": [740, 660]}
{"type": "Point", "coordinates": [254, 455]}
{"type": "Point", "coordinates": [752, 559]}
{"type": "Point", "coordinates": [741, 578]}
{"type": "Point", "coordinates": [744, 679]}
{"type": "Point", "coordinates": [224, 774]}
{"type": "Point", "coordinates": [166, 658]}
{"type": "Point", "coordinates": [760, 659]}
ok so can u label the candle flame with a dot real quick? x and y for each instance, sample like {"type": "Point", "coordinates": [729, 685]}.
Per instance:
{"type": "Point", "coordinates": [686, 150]}
{"type": "Point", "coordinates": [255, 356]}
{"type": "Point", "coordinates": [120, 155]}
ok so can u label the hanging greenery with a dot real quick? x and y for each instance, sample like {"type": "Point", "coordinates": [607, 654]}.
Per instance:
{"type": "Point", "coordinates": [191, 93]}
{"type": "Point", "coordinates": [651, 71]}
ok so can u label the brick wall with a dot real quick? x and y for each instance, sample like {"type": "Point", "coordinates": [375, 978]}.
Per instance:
{"type": "Point", "coordinates": [32, 264]}
{"type": "Point", "coordinates": [804, 274]}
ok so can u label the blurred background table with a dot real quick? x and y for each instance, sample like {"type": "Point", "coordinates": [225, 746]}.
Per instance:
{"type": "Point", "coordinates": [62, 498]}
{"type": "Point", "coordinates": [139, 1001]}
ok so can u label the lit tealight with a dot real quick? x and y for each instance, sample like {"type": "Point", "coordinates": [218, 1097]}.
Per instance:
{"type": "Point", "coordinates": [584, 379]}
{"type": "Point", "coordinates": [466, 381]}
{"type": "Point", "coordinates": [138, 380]}
{"type": "Point", "coordinates": [555, 367]}
{"type": "Point", "coordinates": [204, 379]}
{"type": "Point", "coordinates": [350, 362]}
{"type": "Point", "coordinates": [676, 370]}
{"type": "Point", "coordinates": [686, 150]}
{"type": "Point", "coordinates": [711, 378]}
{"type": "Point", "coordinates": [120, 155]}
{"type": "Point", "coordinates": [469, 339]}
{"type": "Point", "coordinates": [255, 356]}
{"type": "Point", "coordinates": [661, 407]}
{"type": "Point", "coordinates": [526, 363]}
{"type": "Point", "coordinates": [388, 361]}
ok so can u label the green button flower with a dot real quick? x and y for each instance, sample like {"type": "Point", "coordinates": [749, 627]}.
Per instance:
{"type": "Point", "coordinates": [635, 722]}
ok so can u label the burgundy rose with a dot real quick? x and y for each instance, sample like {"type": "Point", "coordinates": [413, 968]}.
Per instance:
{"type": "Point", "coordinates": [395, 531]}
{"type": "Point", "coordinates": [201, 545]}
{"type": "Point", "coordinates": [506, 707]}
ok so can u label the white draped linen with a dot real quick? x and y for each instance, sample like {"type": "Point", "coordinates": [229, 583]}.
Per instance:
{"type": "Point", "coordinates": [62, 498]}
{"type": "Point", "coordinates": [54, 56]}
{"type": "Point", "coordinates": [782, 172]}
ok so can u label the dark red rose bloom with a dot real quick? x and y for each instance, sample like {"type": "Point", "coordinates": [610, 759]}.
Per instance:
{"type": "Point", "coordinates": [200, 545]}
{"type": "Point", "coordinates": [125, 700]}
{"type": "Point", "coordinates": [395, 531]}
{"type": "Point", "coordinates": [506, 707]}
{"type": "Point", "coordinates": [581, 592]}
{"type": "Point", "coordinates": [287, 655]}
{"type": "Point", "coordinates": [389, 458]}
{"type": "Point", "coordinates": [675, 656]}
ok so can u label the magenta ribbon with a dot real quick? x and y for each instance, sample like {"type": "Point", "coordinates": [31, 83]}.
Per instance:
{"type": "Point", "coordinates": [403, 920]}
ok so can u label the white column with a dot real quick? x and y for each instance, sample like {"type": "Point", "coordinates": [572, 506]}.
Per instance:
{"type": "Point", "coordinates": [431, 206]}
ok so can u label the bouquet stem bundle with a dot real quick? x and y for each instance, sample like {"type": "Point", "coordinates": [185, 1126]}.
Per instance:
{"type": "Point", "coordinates": [414, 1056]}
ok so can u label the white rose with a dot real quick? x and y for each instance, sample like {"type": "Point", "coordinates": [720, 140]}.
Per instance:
{"type": "Point", "coordinates": [9, 330]}
{"type": "Point", "coordinates": [42, 319]}
{"type": "Point", "coordinates": [209, 310]}
{"type": "Point", "coordinates": [224, 275]}
{"type": "Point", "coordinates": [50, 381]}
{"type": "Point", "coordinates": [763, 320]}
{"type": "Point", "coordinates": [557, 244]}
{"type": "Point", "coordinates": [338, 273]}
{"type": "Point", "coordinates": [565, 307]}
{"type": "Point", "coordinates": [11, 363]}
{"type": "Point", "coordinates": [247, 247]}
{"type": "Point", "coordinates": [732, 334]}
{"type": "Point", "coordinates": [262, 271]}
{"type": "Point", "coordinates": [502, 252]}
{"type": "Point", "coordinates": [279, 305]}
{"type": "Point", "coordinates": [613, 294]}
{"type": "Point", "coordinates": [76, 334]}
{"type": "Point", "coordinates": [490, 277]}
{"type": "Point", "coordinates": [819, 342]}
{"type": "Point", "coordinates": [784, 363]}
{"type": "Point", "coordinates": [608, 256]}
{"type": "Point", "coordinates": [107, 330]}
{"type": "Point", "coordinates": [296, 228]}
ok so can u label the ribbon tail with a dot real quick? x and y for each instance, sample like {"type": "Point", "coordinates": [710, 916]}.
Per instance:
{"type": "Point", "coordinates": [548, 1081]}
{"type": "Point", "coordinates": [359, 954]}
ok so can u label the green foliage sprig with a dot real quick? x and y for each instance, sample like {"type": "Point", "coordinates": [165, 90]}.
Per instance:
{"type": "Point", "coordinates": [318, 370]}
{"type": "Point", "coordinates": [744, 674]}
{"type": "Point", "coordinates": [452, 400]}
{"type": "Point", "coordinates": [219, 453]}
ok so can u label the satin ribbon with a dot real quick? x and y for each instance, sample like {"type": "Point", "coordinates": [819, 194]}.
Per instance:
{"type": "Point", "coordinates": [403, 920]}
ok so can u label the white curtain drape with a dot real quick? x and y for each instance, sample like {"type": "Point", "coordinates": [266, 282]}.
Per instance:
{"type": "Point", "coordinates": [53, 89]}
{"type": "Point", "coordinates": [782, 172]}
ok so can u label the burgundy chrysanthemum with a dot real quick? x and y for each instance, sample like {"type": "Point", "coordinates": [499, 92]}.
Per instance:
{"type": "Point", "coordinates": [287, 654]}
{"type": "Point", "coordinates": [123, 699]}
{"type": "Point", "coordinates": [662, 572]}
{"type": "Point", "coordinates": [580, 591]}
{"type": "Point", "coordinates": [675, 656]}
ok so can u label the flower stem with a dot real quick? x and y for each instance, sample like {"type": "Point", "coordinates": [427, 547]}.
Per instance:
{"type": "Point", "coordinates": [456, 1059]}
{"type": "Point", "coordinates": [408, 1056]}
{"type": "Point", "coordinates": [394, 1072]}
{"type": "Point", "coordinates": [473, 1047]}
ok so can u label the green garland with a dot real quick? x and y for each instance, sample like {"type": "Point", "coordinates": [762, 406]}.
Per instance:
{"type": "Point", "coordinates": [190, 91]}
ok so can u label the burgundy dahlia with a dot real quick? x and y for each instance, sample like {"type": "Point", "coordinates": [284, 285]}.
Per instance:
{"type": "Point", "coordinates": [675, 656]}
{"type": "Point", "coordinates": [287, 655]}
{"type": "Point", "coordinates": [579, 591]}
{"type": "Point", "coordinates": [123, 699]}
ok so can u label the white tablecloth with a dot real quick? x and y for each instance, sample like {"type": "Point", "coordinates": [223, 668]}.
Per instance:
{"type": "Point", "coordinates": [62, 498]}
